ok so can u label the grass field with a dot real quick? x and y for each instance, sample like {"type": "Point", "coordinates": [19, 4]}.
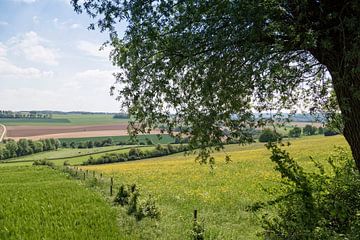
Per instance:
{"type": "Point", "coordinates": [179, 186]}
{"type": "Point", "coordinates": [65, 153]}
{"type": "Point", "coordinates": [165, 139]}
{"type": "Point", "coordinates": [65, 119]}
{"type": "Point", "coordinates": [72, 156]}
{"type": "Point", "coordinates": [41, 203]}
{"type": "Point", "coordinates": [221, 196]}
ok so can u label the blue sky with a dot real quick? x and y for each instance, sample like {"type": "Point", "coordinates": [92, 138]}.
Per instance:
{"type": "Point", "coordinates": [50, 61]}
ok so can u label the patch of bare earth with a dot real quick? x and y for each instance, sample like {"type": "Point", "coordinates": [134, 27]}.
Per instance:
{"type": "Point", "coordinates": [42, 132]}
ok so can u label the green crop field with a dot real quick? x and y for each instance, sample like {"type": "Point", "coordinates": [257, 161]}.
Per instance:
{"type": "Point", "coordinates": [164, 139]}
{"type": "Point", "coordinates": [41, 203]}
{"type": "Point", "coordinates": [65, 119]}
{"type": "Point", "coordinates": [72, 156]}
{"type": "Point", "coordinates": [221, 196]}
{"type": "Point", "coordinates": [65, 153]}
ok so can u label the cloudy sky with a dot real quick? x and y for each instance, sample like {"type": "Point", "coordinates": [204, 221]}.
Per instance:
{"type": "Point", "coordinates": [50, 61]}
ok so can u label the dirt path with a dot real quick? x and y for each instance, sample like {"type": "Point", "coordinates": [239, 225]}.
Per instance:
{"type": "Point", "coordinates": [3, 132]}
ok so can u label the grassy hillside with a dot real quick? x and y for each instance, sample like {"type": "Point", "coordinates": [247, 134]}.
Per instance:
{"type": "Point", "coordinates": [41, 203]}
{"type": "Point", "coordinates": [221, 196]}
{"type": "Point", "coordinates": [180, 185]}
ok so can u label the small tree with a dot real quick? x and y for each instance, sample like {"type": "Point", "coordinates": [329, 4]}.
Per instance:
{"type": "Point", "coordinates": [268, 135]}
{"type": "Point", "coordinates": [295, 132]}
{"type": "Point", "coordinates": [309, 130]}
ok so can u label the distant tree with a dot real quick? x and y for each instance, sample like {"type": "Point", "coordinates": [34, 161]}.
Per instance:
{"type": "Point", "coordinates": [295, 132]}
{"type": "Point", "coordinates": [11, 147]}
{"type": "Point", "coordinates": [268, 135]}
{"type": "Point", "coordinates": [90, 144]}
{"type": "Point", "coordinates": [73, 145]}
{"type": "Point", "coordinates": [309, 130]}
{"type": "Point", "coordinates": [320, 130]}
{"type": "Point", "coordinates": [23, 148]}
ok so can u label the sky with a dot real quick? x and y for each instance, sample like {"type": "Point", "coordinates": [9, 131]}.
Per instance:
{"type": "Point", "coordinates": [49, 60]}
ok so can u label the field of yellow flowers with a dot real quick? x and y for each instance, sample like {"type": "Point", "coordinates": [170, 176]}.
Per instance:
{"type": "Point", "coordinates": [221, 195]}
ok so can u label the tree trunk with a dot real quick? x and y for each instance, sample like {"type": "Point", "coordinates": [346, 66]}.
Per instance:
{"type": "Point", "coordinates": [347, 89]}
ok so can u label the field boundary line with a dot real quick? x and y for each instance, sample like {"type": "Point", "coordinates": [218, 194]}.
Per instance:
{"type": "Point", "coordinates": [3, 133]}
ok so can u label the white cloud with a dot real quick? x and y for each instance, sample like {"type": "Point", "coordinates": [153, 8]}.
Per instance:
{"type": "Point", "coordinates": [74, 26]}
{"type": "Point", "coordinates": [25, 1]}
{"type": "Point", "coordinates": [33, 48]}
{"type": "Point", "coordinates": [3, 23]}
{"type": "Point", "coordinates": [93, 49]}
{"type": "Point", "coordinates": [35, 19]}
{"type": "Point", "coordinates": [10, 70]}
{"type": "Point", "coordinates": [87, 91]}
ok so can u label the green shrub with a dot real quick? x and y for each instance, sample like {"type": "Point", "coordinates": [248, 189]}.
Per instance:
{"type": "Point", "coordinates": [295, 132]}
{"type": "Point", "coordinates": [309, 130]}
{"type": "Point", "coordinates": [43, 163]}
{"type": "Point", "coordinates": [268, 135]}
{"type": "Point", "coordinates": [315, 205]}
{"type": "Point", "coordinates": [129, 197]}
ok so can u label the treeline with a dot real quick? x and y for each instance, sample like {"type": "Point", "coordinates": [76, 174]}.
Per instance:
{"type": "Point", "coordinates": [269, 135]}
{"type": "Point", "coordinates": [110, 142]}
{"type": "Point", "coordinates": [121, 116]}
{"type": "Point", "coordinates": [31, 114]}
{"type": "Point", "coordinates": [23, 147]}
{"type": "Point", "coordinates": [136, 154]}
{"type": "Point", "coordinates": [102, 143]}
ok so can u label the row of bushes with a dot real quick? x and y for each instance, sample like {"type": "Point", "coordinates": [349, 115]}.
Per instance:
{"type": "Point", "coordinates": [268, 135]}
{"type": "Point", "coordinates": [136, 154]}
{"type": "Point", "coordinates": [308, 130]}
{"type": "Point", "coordinates": [109, 142]}
{"type": "Point", "coordinates": [24, 147]}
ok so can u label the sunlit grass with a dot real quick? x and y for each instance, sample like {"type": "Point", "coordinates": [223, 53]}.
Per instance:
{"type": "Point", "coordinates": [221, 196]}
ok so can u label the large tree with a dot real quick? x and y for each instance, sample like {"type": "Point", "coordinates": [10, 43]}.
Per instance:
{"type": "Point", "coordinates": [208, 65]}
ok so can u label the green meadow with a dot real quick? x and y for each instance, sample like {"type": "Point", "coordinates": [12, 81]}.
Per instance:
{"type": "Point", "coordinates": [179, 185]}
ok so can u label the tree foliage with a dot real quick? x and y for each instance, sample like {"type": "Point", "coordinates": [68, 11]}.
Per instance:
{"type": "Point", "coordinates": [315, 205]}
{"type": "Point", "coordinates": [210, 64]}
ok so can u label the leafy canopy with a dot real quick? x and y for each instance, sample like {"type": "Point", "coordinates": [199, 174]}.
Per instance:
{"type": "Point", "coordinates": [209, 65]}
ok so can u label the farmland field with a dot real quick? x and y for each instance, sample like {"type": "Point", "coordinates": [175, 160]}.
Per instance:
{"type": "Point", "coordinates": [65, 119]}
{"type": "Point", "coordinates": [41, 203]}
{"type": "Point", "coordinates": [180, 185]}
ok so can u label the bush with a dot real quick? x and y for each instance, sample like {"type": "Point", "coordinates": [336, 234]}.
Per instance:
{"type": "Point", "coordinates": [329, 132]}
{"type": "Point", "coordinates": [309, 130]}
{"type": "Point", "coordinates": [268, 135]}
{"type": "Point", "coordinates": [295, 132]}
{"type": "Point", "coordinates": [129, 197]}
{"type": "Point", "coordinates": [43, 163]}
{"type": "Point", "coordinates": [317, 205]}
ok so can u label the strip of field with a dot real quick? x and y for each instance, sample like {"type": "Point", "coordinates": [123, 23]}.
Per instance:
{"type": "Point", "coordinates": [31, 131]}
{"type": "Point", "coordinates": [221, 196]}
{"type": "Point", "coordinates": [41, 203]}
{"type": "Point", "coordinates": [2, 132]}
{"type": "Point", "coordinates": [86, 131]}
{"type": "Point", "coordinates": [65, 119]}
{"type": "Point", "coordinates": [73, 156]}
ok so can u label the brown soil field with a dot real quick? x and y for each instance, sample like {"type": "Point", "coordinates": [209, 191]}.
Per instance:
{"type": "Point", "coordinates": [37, 132]}
{"type": "Point", "coordinates": [42, 132]}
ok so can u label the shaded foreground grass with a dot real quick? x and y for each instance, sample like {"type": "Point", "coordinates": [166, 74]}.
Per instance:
{"type": "Point", "coordinates": [41, 203]}
{"type": "Point", "coordinates": [221, 196]}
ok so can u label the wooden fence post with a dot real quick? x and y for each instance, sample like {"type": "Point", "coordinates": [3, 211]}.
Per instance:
{"type": "Point", "coordinates": [111, 186]}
